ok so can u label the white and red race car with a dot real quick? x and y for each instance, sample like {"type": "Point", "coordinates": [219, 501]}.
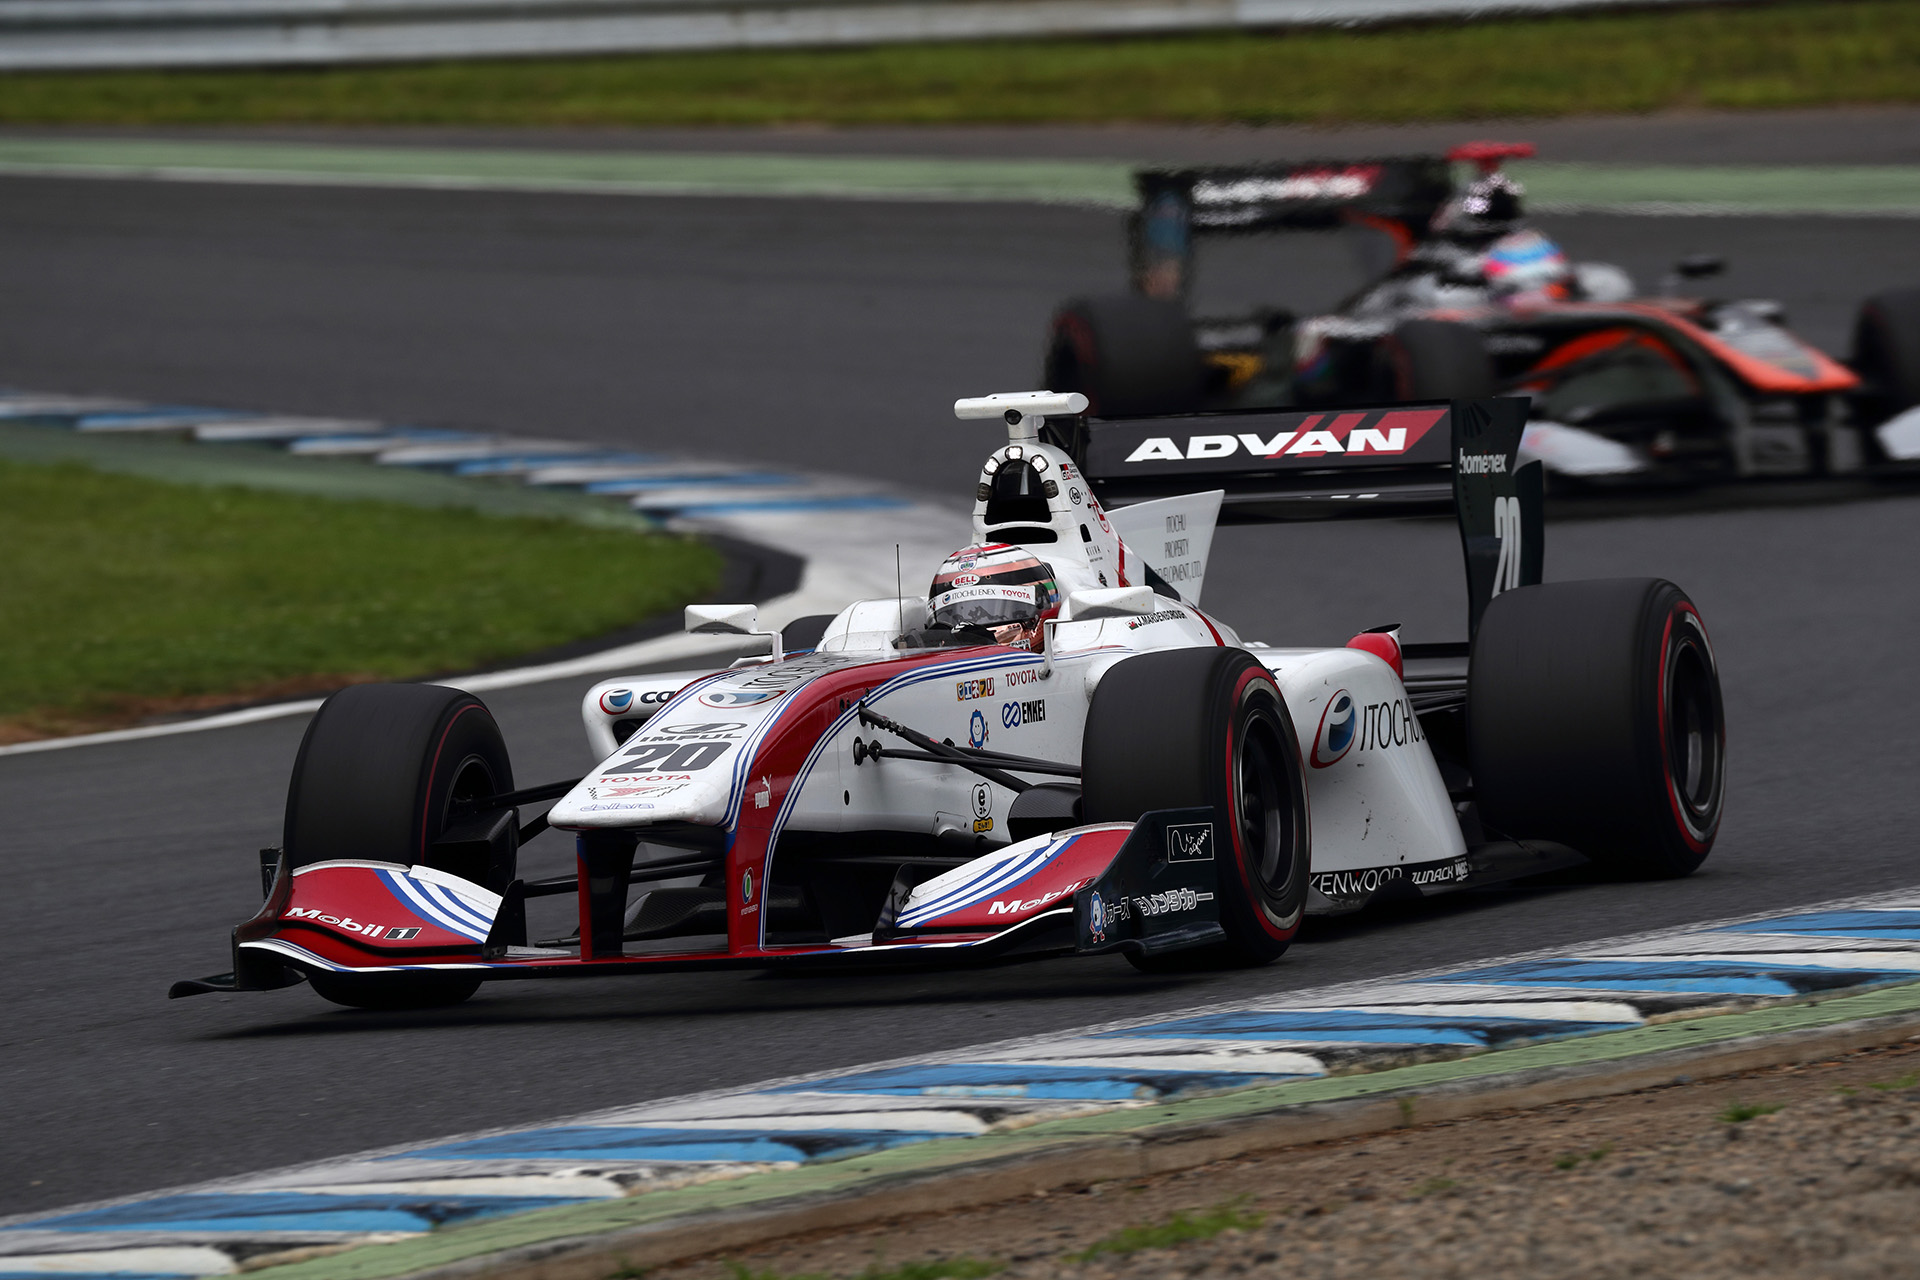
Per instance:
{"type": "Point", "coordinates": [1057, 751]}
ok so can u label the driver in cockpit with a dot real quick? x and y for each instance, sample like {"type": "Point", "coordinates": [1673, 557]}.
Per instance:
{"type": "Point", "coordinates": [993, 594]}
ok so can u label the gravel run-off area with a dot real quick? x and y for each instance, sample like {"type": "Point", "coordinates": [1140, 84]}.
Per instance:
{"type": "Point", "coordinates": [1799, 1171]}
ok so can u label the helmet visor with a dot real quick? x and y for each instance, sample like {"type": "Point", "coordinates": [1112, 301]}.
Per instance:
{"type": "Point", "coordinates": [986, 605]}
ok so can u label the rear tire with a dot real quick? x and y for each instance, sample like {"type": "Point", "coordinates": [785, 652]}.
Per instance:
{"type": "Point", "coordinates": [1221, 737]}
{"type": "Point", "coordinates": [380, 771]}
{"type": "Point", "coordinates": [1434, 360]}
{"type": "Point", "coordinates": [1127, 354]}
{"type": "Point", "coordinates": [1594, 720]}
{"type": "Point", "coordinates": [1886, 353]}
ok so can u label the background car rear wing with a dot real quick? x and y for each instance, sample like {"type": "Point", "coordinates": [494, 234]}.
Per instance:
{"type": "Point", "coordinates": [1398, 195]}
{"type": "Point", "coordinates": [1289, 464]}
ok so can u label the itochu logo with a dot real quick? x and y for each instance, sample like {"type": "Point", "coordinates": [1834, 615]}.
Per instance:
{"type": "Point", "coordinates": [1337, 723]}
{"type": "Point", "coordinates": [614, 701]}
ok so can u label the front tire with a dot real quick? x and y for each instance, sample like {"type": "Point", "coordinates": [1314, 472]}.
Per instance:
{"type": "Point", "coordinates": [1434, 360]}
{"type": "Point", "coordinates": [382, 770]}
{"type": "Point", "coordinates": [1220, 737]}
{"type": "Point", "coordinates": [1127, 354]}
{"type": "Point", "coordinates": [1886, 353]}
{"type": "Point", "coordinates": [1594, 719]}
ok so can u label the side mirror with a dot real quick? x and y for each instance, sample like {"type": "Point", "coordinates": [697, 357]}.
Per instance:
{"type": "Point", "coordinates": [1698, 266]}
{"type": "Point", "coordinates": [723, 619]}
{"type": "Point", "coordinates": [1111, 602]}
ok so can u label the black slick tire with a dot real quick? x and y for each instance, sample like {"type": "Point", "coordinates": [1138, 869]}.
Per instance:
{"type": "Point", "coordinates": [1182, 728]}
{"type": "Point", "coordinates": [1594, 720]}
{"type": "Point", "coordinates": [1434, 360]}
{"type": "Point", "coordinates": [1886, 353]}
{"type": "Point", "coordinates": [1127, 354]}
{"type": "Point", "coordinates": [380, 771]}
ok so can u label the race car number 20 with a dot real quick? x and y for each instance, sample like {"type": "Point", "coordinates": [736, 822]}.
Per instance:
{"type": "Point", "coordinates": [671, 757]}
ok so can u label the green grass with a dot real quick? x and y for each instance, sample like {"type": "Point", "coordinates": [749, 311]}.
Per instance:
{"type": "Point", "coordinates": [1574, 1160]}
{"type": "Point", "coordinates": [1741, 1112]}
{"type": "Point", "coordinates": [1793, 53]}
{"type": "Point", "coordinates": [125, 596]}
{"type": "Point", "coordinates": [1178, 1229]}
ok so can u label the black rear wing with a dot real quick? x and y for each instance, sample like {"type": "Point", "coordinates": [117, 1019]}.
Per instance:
{"type": "Point", "coordinates": [1290, 464]}
{"type": "Point", "coordinates": [1400, 194]}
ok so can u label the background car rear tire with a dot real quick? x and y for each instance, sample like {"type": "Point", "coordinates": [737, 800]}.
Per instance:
{"type": "Point", "coordinates": [1182, 728]}
{"type": "Point", "coordinates": [1127, 354]}
{"type": "Point", "coordinates": [1434, 360]}
{"type": "Point", "coordinates": [379, 773]}
{"type": "Point", "coordinates": [1594, 720]}
{"type": "Point", "coordinates": [1886, 353]}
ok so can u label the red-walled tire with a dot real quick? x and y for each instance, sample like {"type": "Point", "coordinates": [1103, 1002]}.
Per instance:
{"type": "Point", "coordinates": [381, 769]}
{"type": "Point", "coordinates": [1183, 728]}
{"type": "Point", "coordinates": [1594, 720]}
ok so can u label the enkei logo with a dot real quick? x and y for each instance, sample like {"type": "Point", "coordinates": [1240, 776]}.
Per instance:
{"type": "Point", "coordinates": [1015, 714]}
{"type": "Point", "coordinates": [1335, 736]}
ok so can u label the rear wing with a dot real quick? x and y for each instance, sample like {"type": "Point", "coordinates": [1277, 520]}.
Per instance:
{"type": "Point", "coordinates": [1398, 194]}
{"type": "Point", "coordinates": [1288, 464]}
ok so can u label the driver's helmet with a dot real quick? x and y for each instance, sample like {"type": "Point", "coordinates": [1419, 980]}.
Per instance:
{"type": "Point", "coordinates": [1005, 590]}
{"type": "Point", "coordinates": [1489, 208]}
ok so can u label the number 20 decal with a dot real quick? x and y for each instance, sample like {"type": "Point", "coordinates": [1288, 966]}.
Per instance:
{"type": "Point", "coordinates": [672, 757]}
{"type": "Point", "coordinates": [1506, 529]}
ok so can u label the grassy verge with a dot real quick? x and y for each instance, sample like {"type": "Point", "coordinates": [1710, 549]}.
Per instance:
{"type": "Point", "coordinates": [126, 597]}
{"type": "Point", "coordinates": [1793, 53]}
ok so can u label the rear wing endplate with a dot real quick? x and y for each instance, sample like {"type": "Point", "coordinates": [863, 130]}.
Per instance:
{"type": "Point", "coordinates": [1293, 465]}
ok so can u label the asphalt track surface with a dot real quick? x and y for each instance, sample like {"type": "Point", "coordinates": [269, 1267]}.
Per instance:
{"type": "Point", "coordinates": [830, 335]}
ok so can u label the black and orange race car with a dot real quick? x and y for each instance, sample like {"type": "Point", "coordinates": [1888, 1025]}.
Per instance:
{"type": "Point", "coordinates": [1623, 387]}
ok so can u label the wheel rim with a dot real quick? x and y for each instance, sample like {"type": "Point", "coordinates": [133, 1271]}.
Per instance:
{"type": "Point", "coordinates": [1266, 809]}
{"type": "Point", "coordinates": [1694, 743]}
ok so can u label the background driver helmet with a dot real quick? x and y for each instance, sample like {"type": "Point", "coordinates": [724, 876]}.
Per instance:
{"type": "Point", "coordinates": [1003, 588]}
{"type": "Point", "coordinates": [1489, 208]}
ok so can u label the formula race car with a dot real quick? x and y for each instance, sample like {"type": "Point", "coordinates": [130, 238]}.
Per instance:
{"type": "Point", "coordinates": [1057, 750]}
{"type": "Point", "coordinates": [1473, 302]}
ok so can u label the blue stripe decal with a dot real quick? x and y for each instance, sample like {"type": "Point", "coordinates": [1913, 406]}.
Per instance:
{"type": "Point", "coordinates": [641, 484]}
{"type": "Point", "coordinates": [453, 904]}
{"type": "Point", "coordinates": [1035, 1080]}
{"type": "Point", "coordinates": [732, 1146]}
{"type": "Point", "coordinates": [1715, 977]}
{"type": "Point", "coordinates": [1357, 1025]}
{"type": "Point", "coordinates": [1839, 924]}
{"type": "Point", "coordinates": [510, 462]}
{"type": "Point", "coordinates": [296, 1211]}
{"type": "Point", "coordinates": [413, 895]}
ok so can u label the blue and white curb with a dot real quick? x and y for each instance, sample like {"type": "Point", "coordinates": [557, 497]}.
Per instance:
{"type": "Point", "coordinates": [846, 530]}
{"type": "Point", "coordinates": [385, 1195]}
